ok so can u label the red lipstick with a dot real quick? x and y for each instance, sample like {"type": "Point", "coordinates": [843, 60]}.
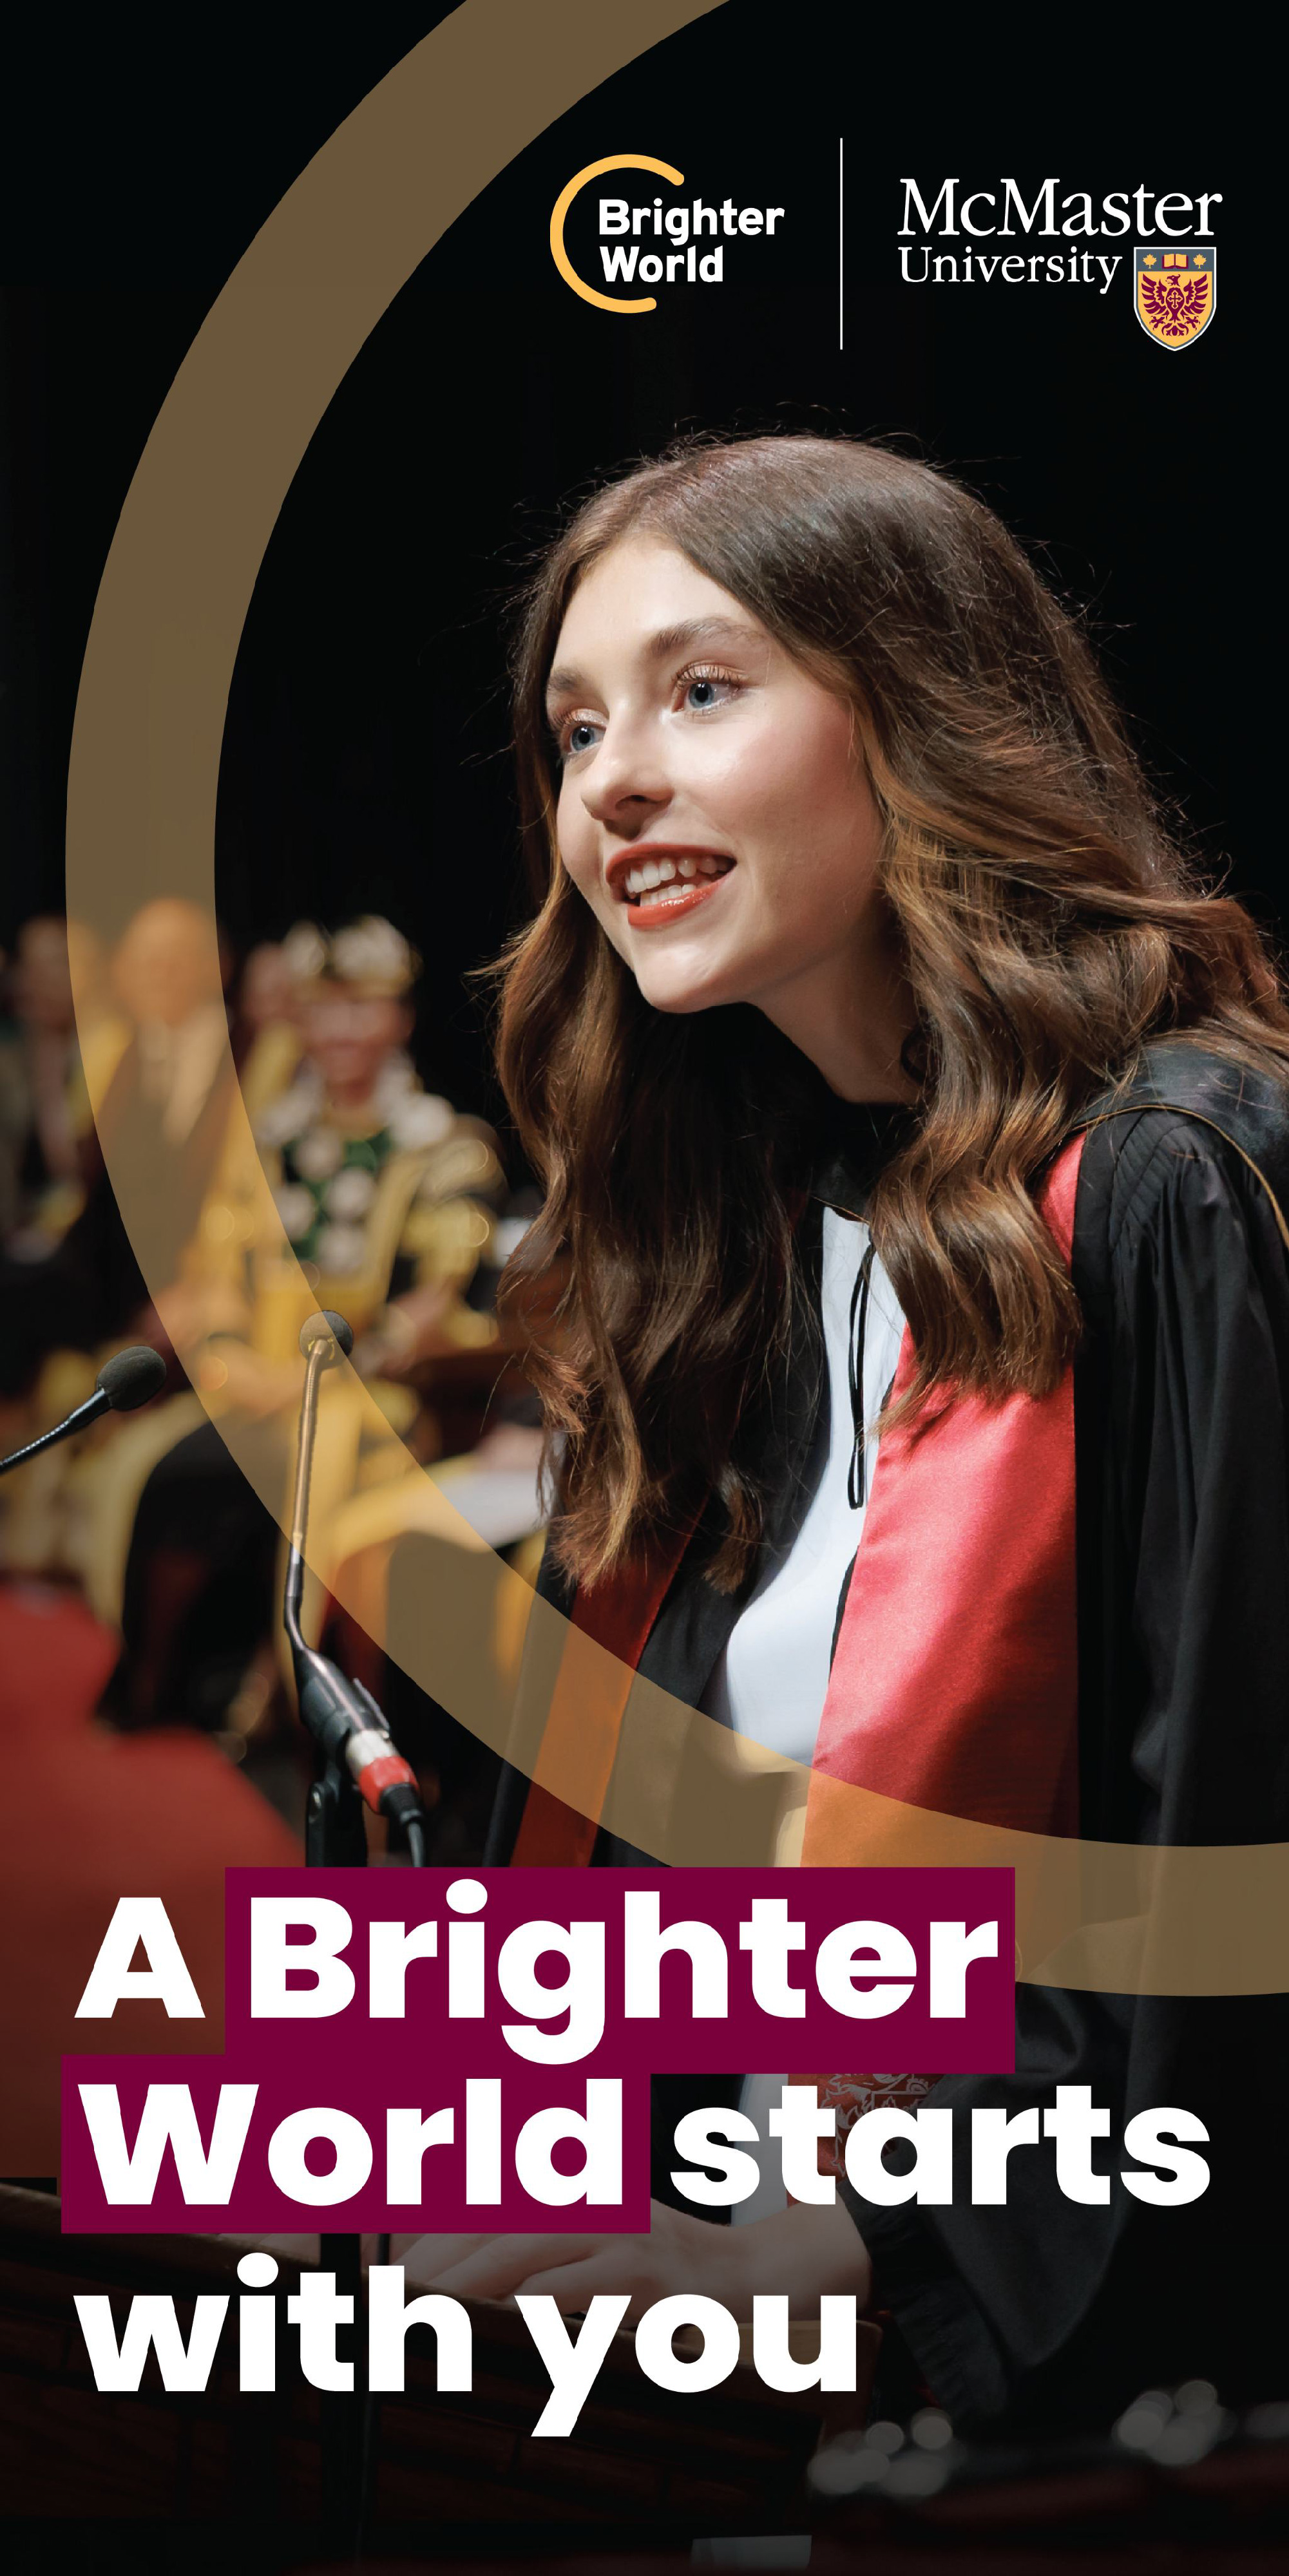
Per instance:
{"type": "Point", "coordinates": [672, 903]}
{"type": "Point", "coordinates": [680, 895]}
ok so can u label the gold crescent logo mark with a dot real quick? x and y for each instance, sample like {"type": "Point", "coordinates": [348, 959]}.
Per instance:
{"type": "Point", "coordinates": [559, 213]}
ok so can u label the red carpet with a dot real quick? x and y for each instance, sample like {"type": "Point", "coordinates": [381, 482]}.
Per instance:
{"type": "Point", "coordinates": [90, 1817]}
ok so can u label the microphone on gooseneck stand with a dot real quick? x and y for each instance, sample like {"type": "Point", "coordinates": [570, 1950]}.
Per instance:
{"type": "Point", "coordinates": [356, 1750]}
{"type": "Point", "coordinates": [123, 1383]}
{"type": "Point", "coordinates": [355, 1756]}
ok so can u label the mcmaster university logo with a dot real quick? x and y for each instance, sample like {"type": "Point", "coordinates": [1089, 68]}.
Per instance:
{"type": "Point", "coordinates": [1175, 292]}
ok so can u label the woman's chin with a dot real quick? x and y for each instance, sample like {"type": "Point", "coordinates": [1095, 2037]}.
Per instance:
{"type": "Point", "coordinates": [680, 994]}
{"type": "Point", "coordinates": [678, 983]}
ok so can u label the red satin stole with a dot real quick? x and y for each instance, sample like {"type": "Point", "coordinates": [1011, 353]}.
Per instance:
{"type": "Point", "coordinates": [954, 1680]}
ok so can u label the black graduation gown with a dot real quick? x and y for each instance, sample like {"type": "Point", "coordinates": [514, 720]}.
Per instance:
{"type": "Point", "coordinates": [1047, 2311]}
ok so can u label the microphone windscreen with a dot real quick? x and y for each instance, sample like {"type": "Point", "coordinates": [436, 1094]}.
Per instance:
{"type": "Point", "coordinates": [327, 1323]}
{"type": "Point", "coordinates": [131, 1377]}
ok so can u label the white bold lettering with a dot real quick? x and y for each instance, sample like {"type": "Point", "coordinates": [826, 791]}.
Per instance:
{"type": "Point", "coordinates": [645, 1946]}
{"type": "Point", "coordinates": [573, 2362]}
{"type": "Point", "coordinates": [692, 2372]}
{"type": "Point", "coordinates": [350, 2171]}
{"type": "Point", "coordinates": [388, 2319]}
{"type": "Point", "coordinates": [833, 2368]}
{"type": "Point", "coordinates": [580, 1994]}
{"type": "Point", "coordinates": [599, 2133]}
{"type": "Point", "coordinates": [273, 1958]}
{"type": "Point", "coordinates": [129, 2175]}
{"type": "Point", "coordinates": [1152, 2136]}
{"type": "Point", "coordinates": [151, 2325]}
{"type": "Point", "coordinates": [930, 2180]}
{"type": "Point", "coordinates": [704, 2136]}
{"type": "Point", "coordinates": [875, 1951]}
{"type": "Point", "coordinates": [953, 1949]}
{"type": "Point", "coordinates": [165, 1979]}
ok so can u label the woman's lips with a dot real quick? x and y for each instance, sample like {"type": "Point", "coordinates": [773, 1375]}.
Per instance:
{"type": "Point", "coordinates": [679, 878]}
{"type": "Point", "coordinates": [672, 903]}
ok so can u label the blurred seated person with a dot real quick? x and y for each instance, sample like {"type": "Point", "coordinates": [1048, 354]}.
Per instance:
{"type": "Point", "coordinates": [386, 1197]}
{"type": "Point", "coordinates": [159, 1074]}
{"type": "Point", "coordinates": [384, 1193]}
{"type": "Point", "coordinates": [265, 1019]}
{"type": "Point", "coordinates": [163, 1117]}
{"type": "Point", "coordinates": [52, 1055]}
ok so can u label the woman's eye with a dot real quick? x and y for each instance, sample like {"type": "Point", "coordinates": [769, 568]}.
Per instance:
{"type": "Point", "coordinates": [699, 693]}
{"type": "Point", "coordinates": [703, 690]}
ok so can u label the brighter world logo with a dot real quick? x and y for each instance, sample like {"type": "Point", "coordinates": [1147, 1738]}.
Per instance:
{"type": "Point", "coordinates": [657, 242]}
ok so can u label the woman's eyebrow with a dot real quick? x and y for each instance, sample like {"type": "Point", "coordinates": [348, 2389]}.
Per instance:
{"type": "Point", "coordinates": [565, 681]}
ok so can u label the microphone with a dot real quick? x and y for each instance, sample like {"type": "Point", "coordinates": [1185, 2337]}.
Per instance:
{"type": "Point", "coordinates": [129, 1379]}
{"type": "Point", "coordinates": [342, 1717]}
{"type": "Point", "coordinates": [320, 1330]}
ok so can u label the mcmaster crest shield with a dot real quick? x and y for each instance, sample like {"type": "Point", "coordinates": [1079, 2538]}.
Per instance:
{"type": "Point", "coordinates": [1174, 291]}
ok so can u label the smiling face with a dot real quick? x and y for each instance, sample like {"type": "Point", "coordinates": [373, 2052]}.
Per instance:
{"type": "Point", "coordinates": [714, 811]}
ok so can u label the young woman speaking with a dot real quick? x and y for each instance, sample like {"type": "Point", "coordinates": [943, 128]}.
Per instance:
{"type": "Point", "coordinates": [915, 1133]}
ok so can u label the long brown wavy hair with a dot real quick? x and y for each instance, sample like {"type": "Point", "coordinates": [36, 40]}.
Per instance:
{"type": "Point", "coordinates": [1047, 926]}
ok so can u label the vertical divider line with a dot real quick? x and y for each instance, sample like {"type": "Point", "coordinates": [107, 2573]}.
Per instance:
{"type": "Point", "coordinates": [841, 242]}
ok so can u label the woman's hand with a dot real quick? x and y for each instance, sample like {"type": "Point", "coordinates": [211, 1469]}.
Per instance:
{"type": "Point", "coordinates": [800, 2253]}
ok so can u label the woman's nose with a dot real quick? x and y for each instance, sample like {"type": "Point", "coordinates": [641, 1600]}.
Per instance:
{"type": "Point", "coordinates": [627, 773]}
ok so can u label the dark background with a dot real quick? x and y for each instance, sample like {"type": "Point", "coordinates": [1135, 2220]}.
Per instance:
{"type": "Point", "coordinates": [365, 763]}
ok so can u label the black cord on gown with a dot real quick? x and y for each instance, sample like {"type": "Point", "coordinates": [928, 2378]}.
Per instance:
{"type": "Point", "coordinates": [857, 1475]}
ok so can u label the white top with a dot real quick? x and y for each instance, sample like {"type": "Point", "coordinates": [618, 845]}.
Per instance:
{"type": "Point", "coordinates": [772, 1678]}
